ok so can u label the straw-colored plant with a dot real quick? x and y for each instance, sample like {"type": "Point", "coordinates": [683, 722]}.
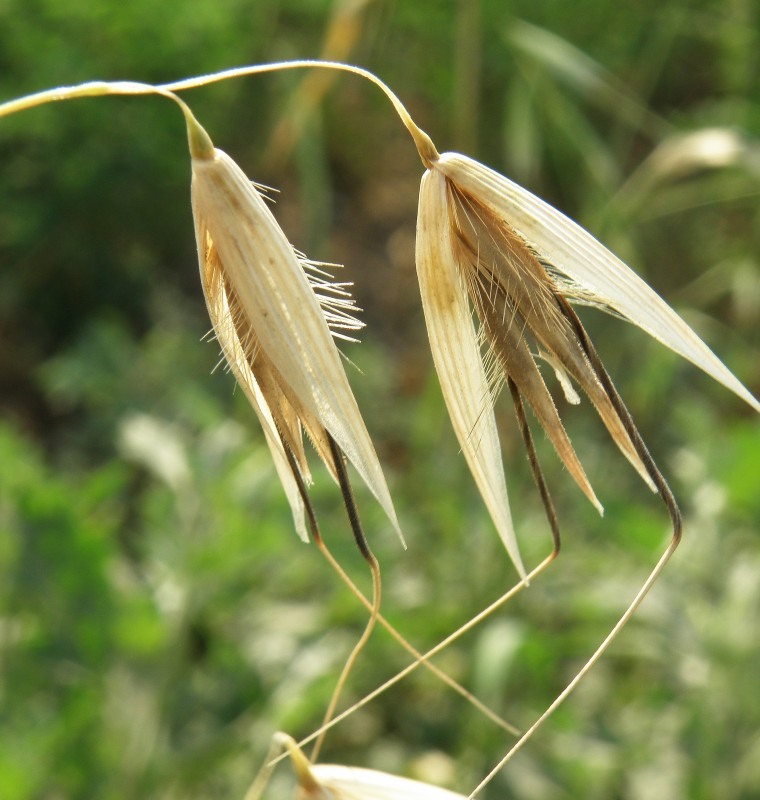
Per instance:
{"type": "Point", "coordinates": [274, 315]}
{"type": "Point", "coordinates": [498, 270]}
{"type": "Point", "coordinates": [489, 248]}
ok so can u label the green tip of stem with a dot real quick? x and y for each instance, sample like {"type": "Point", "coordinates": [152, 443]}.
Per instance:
{"type": "Point", "coordinates": [199, 141]}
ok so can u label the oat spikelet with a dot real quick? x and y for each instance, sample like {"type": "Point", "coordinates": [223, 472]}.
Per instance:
{"type": "Point", "coordinates": [487, 247]}
{"type": "Point", "coordinates": [490, 248]}
{"type": "Point", "coordinates": [271, 311]}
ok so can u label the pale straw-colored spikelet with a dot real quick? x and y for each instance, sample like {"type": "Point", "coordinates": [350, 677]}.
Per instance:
{"type": "Point", "coordinates": [487, 245]}
{"type": "Point", "coordinates": [337, 782]}
{"type": "Point", "coordinates": [273, 331]}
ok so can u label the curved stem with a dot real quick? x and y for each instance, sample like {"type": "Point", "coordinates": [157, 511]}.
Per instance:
{"type": "Point", "coordinates": [89, 89]}
{"type": "Point", "coordinates": [420, 658]}
{"type": "Point", "coordinates": [425, 147]}
{"type": "Point", "coordinates": [597, 654]}
{"type": "Point", "coordinates": [200, 143]}
{"type": "Point", "coordinates": [351, 660]}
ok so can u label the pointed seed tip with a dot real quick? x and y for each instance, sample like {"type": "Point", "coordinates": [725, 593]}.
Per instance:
{"type": "Point", "coordinates": [400, 535]}
{"type": "Point", "coordinates": [597, 505]}
{"type": "Point", "coordinates": [520, 567]}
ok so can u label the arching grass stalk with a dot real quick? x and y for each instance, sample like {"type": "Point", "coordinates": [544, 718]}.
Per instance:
{"type": "Point", "coordinates": [423, 142]}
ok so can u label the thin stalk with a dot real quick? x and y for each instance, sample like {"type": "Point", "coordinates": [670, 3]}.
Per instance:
{"type": "Point", "coordinates": [423, 659]}
{"type": "Point", "coordinates": [676, 531]}
{"type": "Point", "coordinates": [89, 89]}
{"type": "Point", "coordinates": [582, 672]}
{"type": "Point", "coordinates": [351, 660]}
{"type": "Point", "coordinates": [419, 657]}
{"type": "Point", "coordinates": [200, 143]}
{"type": "Point", "coordinates": [425, 147]}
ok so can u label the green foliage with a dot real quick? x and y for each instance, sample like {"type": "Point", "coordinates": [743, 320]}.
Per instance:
{"type": "Point", "coordinates": [159, 619]}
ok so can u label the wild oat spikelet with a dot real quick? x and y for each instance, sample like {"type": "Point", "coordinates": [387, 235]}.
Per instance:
{"type": "Point", "coordinates": [274, 333]}
{"type": "Point", "coordinates": [486, 244]}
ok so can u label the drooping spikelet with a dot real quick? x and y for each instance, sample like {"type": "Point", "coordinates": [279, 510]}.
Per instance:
{"type": "Point", "coordinates": [488, 246]}
{"type": "Point", "coordinates": [272, 329]}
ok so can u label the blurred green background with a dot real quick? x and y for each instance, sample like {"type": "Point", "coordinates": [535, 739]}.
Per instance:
{"type": "Point", "coordinates": [159, 619]}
